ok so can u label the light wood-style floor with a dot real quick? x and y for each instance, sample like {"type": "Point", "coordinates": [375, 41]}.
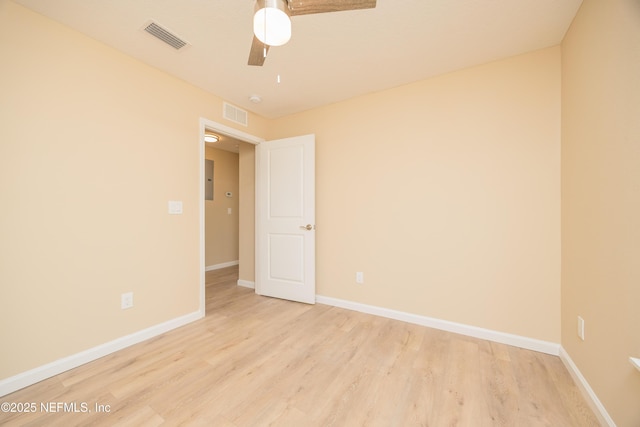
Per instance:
{"type": "Point", "coordinates": [257, 361]}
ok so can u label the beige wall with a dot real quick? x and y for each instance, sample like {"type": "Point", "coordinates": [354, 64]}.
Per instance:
{"type": "Point", "coordinates": [93, 144]}
{"type": "Point", "coordinates": [445, 193]}
{"type": "Point", "coordinates": [221, 228]}
{"type": "Point", "coordinates": [601, 200]}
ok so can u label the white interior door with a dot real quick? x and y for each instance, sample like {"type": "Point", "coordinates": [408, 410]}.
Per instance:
{"type": "Point", "coordinates": [285, 219]}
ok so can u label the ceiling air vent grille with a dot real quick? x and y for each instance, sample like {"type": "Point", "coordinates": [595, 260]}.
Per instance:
{"type": "Point", "coordinates": [235, 114]}
{"type": "Point", "coordinates": [164, 35]}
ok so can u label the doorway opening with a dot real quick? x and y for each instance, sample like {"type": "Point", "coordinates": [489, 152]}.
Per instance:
{"type": "Point", "coordinates": [244, 197]}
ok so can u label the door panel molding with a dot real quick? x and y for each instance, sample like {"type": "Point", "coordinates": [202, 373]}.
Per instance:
{"type": "Point", "coordinates": [285, 218]}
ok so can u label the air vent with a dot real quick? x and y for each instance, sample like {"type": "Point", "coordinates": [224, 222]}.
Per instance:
{"type": "Point", "coordinates": [161, 33]}
{"type": "Point", "coordinates": [235, 114]}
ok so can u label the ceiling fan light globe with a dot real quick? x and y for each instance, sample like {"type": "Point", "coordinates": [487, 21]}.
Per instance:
{"type": "Point", "coordinates": [278, 26]}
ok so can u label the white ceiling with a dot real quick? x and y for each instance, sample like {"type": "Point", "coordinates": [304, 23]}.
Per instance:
{"type": "Point", "coordinates": [331, 56]}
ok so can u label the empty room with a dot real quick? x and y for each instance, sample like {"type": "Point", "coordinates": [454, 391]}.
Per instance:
{"type": "Point", "coordinates": [314, 213]}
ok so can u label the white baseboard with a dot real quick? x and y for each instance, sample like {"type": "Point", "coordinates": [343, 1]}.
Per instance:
{"type": "Point", "coordinates": [487, 334]}
{"type": "Point", "coordinates": [247, 284]}
{"type": "Point", "coordinates": [590, 396]}
{"type": "Point", "coordinates": [445, 325]}
{"type": "Point", "coordinates": [221, 265]}
{"type": "Point", "coordinates": [11, 384]}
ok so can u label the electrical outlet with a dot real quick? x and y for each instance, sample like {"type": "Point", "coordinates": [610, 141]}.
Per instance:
{"type": "Point", "coordinates": [359, 277]}
{"type": "Point", "coordinates": [581, 328]}
{"type": "Point", "coordinates": [126, 300]}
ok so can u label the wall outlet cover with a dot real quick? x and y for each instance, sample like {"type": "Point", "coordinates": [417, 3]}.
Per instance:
{"type": "Point", "coordinates": [126, 300]}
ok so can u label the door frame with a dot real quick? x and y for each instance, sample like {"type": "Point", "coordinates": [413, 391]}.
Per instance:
{"type": "Point", "coordinates": [206, 124]}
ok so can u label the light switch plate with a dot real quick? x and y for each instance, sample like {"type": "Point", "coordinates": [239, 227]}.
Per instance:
{"type": "Point", "coordinates": [175, 207]}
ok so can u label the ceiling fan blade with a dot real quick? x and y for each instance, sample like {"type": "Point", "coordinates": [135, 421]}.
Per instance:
{"type": "Point", "coordinates": [257, 53]}
{"type": "Point", "coordinates": [307, 7]}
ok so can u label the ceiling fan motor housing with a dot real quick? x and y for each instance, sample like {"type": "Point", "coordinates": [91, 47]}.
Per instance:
{"type": "Point", "coordinates": [274, 15]}
{"type": "Point", "coordinates": [271, 22]}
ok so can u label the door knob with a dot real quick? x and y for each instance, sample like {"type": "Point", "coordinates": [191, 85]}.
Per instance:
{"type": "Point", "coordinates": [307, 227]}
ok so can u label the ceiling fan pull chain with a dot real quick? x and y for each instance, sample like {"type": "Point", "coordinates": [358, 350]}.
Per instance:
{"type": "Point", "coordinates": [264, 49]}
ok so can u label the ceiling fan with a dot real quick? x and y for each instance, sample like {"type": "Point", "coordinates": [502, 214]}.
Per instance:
{"type": "Point", "coordinates": [272, 26]}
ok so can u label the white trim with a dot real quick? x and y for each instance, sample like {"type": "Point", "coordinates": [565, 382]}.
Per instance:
{"type": "Point", "coordinates": [222, 265]}
{"type": "Point", "coordinates": [256, 219]}
{"type": "Point", "coordinates": [246, 284]}
{"type": "Point", "coordinates": [590, 396]}
{"type": "Point", "coordinates": [201, 195]}
{"type": "Point", "coordinates": [24, 379]}
{"type": "Point", "coordinates": [445, 325]}
{"type": "Point", "coordinates": [229, 131]}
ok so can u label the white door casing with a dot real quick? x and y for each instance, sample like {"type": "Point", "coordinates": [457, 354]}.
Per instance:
{"type": "Point", "coordinates": [285, 218]}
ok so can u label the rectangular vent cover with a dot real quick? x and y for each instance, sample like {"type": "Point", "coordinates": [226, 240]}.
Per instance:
{"type": "Point", "coordinates": [164, 35]}
{"type": "Point", "coordinates": [235, 114]}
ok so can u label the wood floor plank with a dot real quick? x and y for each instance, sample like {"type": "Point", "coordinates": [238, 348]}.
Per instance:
{"type": "Point", "coordinates": [257, 361]}
{"type": "Point", "coordinates": [498, 383]}
{"type": "Point", "coordinates": [143, 417]}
